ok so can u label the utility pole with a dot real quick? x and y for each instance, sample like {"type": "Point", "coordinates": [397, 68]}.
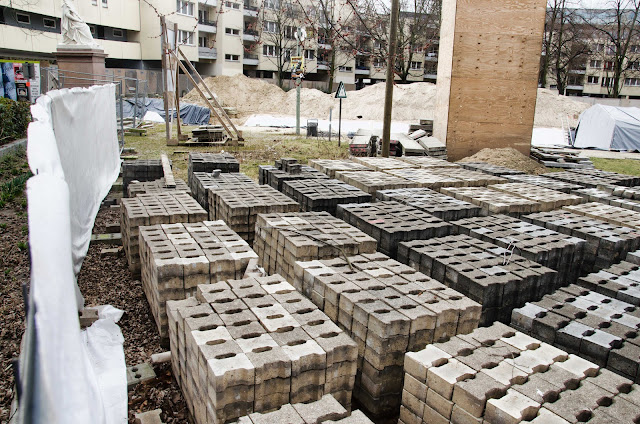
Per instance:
{"type": "Point", "coordinates": [299, 83]}
{"type": "Point", "coordinates": [388, 92]}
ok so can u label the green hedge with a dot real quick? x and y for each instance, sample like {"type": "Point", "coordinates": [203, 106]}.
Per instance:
{"type": "Point", "coordinates": [14, 120]}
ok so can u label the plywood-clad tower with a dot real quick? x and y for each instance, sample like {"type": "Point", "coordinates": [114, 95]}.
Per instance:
{"type": "Point", "coordinates": [488, 74]}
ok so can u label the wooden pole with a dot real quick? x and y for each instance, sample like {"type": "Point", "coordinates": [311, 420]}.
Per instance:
{"type": "Point", "coordinates": [177, 86]}
{"type": "Point", "coordinates": [388, 92]}
{"type": "Point", "coordinates": [165, 83]}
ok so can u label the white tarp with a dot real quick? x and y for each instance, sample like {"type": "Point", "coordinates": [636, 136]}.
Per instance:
{"type": "Point", "coordinates": [609, 128]}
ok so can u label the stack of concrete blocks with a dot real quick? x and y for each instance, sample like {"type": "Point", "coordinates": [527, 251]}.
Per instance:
{"type": "Point", "coordinates": [436, 204]}
{"type": "Point", "coordinates": [488, 274]}
{"type": "Point", "coordinates": [428, 162]}
{"type": "Point", "coordinates": [611, 214]}
{"type": "Point", "coordinates": [392, 222]}
{"type": "Point", "coordinates": [632, 193]}
{"type": "Point", "coordinates": [209, 162]}
{"type": "Point", "coordinates": [330, 166]}
{"type": "Point", "coordinates": [613, 177]}
{"type": "Point", "coordinates": [176, 258]}
{"type": "Point", "coordinates": [276, 177]}
{"type": "Point", "coordinates": [583, 180]}
{"type": "Point", "coordinates": [140, 170]}
{"type": "Point", "coordinates": [596, 327]}
{"type": "Point", "coordinates": [153, 209]}
{"type": "Point", "coordinates": [384, 164]}
{"type": "Point", "coordinates": [545, 182]}
{"type": "Point", "coordinates": [548, 199]}
{"type": "Point", "coordinates": [554, 250]}
{"type": "Point", "coordinates": [471, 178]}
{"type": "Point", "coordinates": [205, 185]}
{"type": "Point", "coordinates": [490, 169]}
{"type": "Point", "coordinates": [607, 198]}
{"type": "Point", "coordinates": [283, 239]}
{"type": "Point", "coordinates": [154, 187]}
{"type": "Point", "coordinates": [240, 208]}
{"type": "Point", "coordinates": [606, 243]}
{"type": "Point", "coordinates": [493, 201]}
{"type": "Point", "coordinates": [426, 178]}
{"type": "Point", "coordinates": [620, 281]}
{"type": "Point", "coordinates": [255, 344]}
{"type": "Point", "coordinates": [388, 309]}
{"type": "Point", "coordinates": [323, 195]}
{"type": "Point", "coordinates": [498, 375]}
{"type": "Point", "coordinates": [372, 181]}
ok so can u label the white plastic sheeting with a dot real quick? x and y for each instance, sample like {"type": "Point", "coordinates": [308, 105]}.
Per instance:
{"type": "Point", "coordinates": [609, 128]}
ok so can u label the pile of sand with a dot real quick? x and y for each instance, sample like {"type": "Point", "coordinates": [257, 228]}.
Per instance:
{"type": "Point", "coordinates": [509, 157]}
{"type": "Point", "coordinates": [411, 102]}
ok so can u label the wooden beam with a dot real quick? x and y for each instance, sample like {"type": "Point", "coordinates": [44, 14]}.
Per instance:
{"type": "Point", "coordinates": [169, 180]}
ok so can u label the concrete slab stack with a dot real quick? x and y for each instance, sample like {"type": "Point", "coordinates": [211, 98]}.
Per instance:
{"type": "Point", "coordinates": [427, 178]}
{"type": "Point", "coordinates": [495, 277]}
{"type": "Point", "coordinates": [209, 162]}
{"type": "Point", "coordinates": [471, 178]}
{"type": "Point", "coordinates": [596, 327]}
{"type": "Point", "coordinates": [554, 250]}
{"type": "Point", "coordinates": [493, 201]}
{"type": "Point", "coordinates": [428, 162]}
{"type": "Point", "coordinates": [158, 186]}
{"type": "Point", "coordinates": [283, 239]}
{"type": "Point", "coordinates": [490, 169]}
{"type": "Point", "coordinates": [372, 181]}
{"type": "Point", "coordinates": [620, 281]}
{"type": "Point", "coordinates": [330, 166]}
{"type": "Point", "coordinates": [499, 375]}
{"type": "Point", "coordinates": [632, 193]}
{"type": "Point", "coordinates": [392, 222]}
{"type": "Point", "coordinates": [606, 243]}
{"type": "Point", "coordinates": [176, 258]}
{"type": "Point", "coordinates": [325, 410]}
{"type": "Point", "coordinates": [430, 201]}
{"type": "Point", "coordinates": [548, 199]}
{"type": "Point", "coordinates": [153, 209]}
{"type": "Point", "coordinates": [607, 198]}
{"type": "Point", "coordinates": [323, 195]}
{"type": "Point", "coordinates": [140, 170]}
{"type": "Point", "coordinates": [613, 177]}
{"type": "Point", "coordinates": [252, 345]}
{"type": "Point", "coordinates": [204, 185]}
{"type": "Point", "coordinates": [276, 177]}
{"type": "Point", "coordinates": [611, 214]}
{"type": "Point", "coordinates": [384, 164]}
{"type": "Point", "coordinates": [240, 208]}
{"type": "Point", "coordinates": [545, 182]}
{"type": "Point", "coordinates": [388, 309]}
{"type": "Point", "coordinates": [588, 181]}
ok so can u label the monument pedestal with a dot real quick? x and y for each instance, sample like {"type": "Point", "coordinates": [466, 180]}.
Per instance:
{"type": "Point", "coordinates": [80, 66]}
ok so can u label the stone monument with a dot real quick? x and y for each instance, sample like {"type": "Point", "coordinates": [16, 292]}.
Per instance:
{"type": "Point", "coordinates": [78, 53]}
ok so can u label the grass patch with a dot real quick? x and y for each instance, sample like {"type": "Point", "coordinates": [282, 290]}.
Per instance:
{"type": "Point", "coordinates": [621, 166]}
{"type": "Point", "coordinates": [14, 173]}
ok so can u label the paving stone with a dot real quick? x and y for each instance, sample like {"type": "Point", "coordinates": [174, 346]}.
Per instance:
{"type": "Point", "coordinates": [548, 199]}
{"type": "Point", "coordinates": [155, 187]}
{"type": "Point", "coordinates": [493, 201]}
{"type": "Point", "coordinates": [490, 169]}
{"type": "Point", "coordinates": [323, 195]}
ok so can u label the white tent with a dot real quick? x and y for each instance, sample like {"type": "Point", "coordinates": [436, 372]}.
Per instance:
{"type": "Point", "coordinates": [609, 128]}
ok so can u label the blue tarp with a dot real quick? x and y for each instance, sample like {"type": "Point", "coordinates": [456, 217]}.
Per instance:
{"type": "Point", "coordinates": [190, 114]}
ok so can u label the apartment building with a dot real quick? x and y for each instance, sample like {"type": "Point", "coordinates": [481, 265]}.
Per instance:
{"type": "Point", "coordinates": [221, 37]}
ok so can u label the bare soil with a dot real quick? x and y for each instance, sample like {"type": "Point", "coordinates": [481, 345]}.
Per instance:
{"type": "Point", "coordinates": [509, 157]}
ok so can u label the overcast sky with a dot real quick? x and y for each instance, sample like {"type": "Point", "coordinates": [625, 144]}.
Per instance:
{"type": "Point", "coordinates": [594, 3]}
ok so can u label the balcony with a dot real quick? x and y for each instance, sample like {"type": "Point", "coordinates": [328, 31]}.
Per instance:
{"type": "Point", "coordinates": [431, 57]}
{"type": "Point", "coordinates": [207, 26]}
{"type": "Point", "coordinates": [363, 52]}
{"type": "Point", "coordinates": [250, 59]}
{"type": "Point", "coordinates": [212, 3]}
{"type": "Point", "coordinates": [430, 76]}
{"type": "Point", "coordinates": [578, 71]}
{"type": "Point", "coordinates": [575, 87]}
{"type": "Point", "coordinates": [323, 65]}
{"type": "Point", "coordinates": [207, 53]}
{"type": "Point", "coordinates": [250, 35]}
{"type": "Point", "coordinates": [323, 44]}
{"type": "Point", "coordinates": [250, 10]}
{"type": "Point", "coordinates": [362, 70]}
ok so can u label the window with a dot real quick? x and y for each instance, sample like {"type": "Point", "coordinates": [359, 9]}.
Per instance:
{"type": "Point", "coordinates": [269, 26]}
{"type": "Point", "coordinates": [431, 68]}
{"type": "Point", "coordinates": [345, 68]}
{"type": "Point", "coordinates": [94, 2]}
{"type": "Point", "coordinates": [203, 42]}
{"type": "Point", "coordinates": [418, 49]}
{"type": "Point", "coordinates": [23, 19]}
{"type": "Point", "coordinates": [598, 48]}
{"type": "Point", "coordinates": [377, 44]}
{"type": "Point", "coordinates": [232, 5]}
{"type": "Point", "coordinates": [608, 65]}
{"type": "Point", "coordinates": [611, 50]}
{"type": "Point", "coordinates": [379, 63]}
{"type": "Point", "coordinates": [49, 23]}
{"type": "Point", "coordinates": [94, 31]}
{"type": "Point", "coordinates": [309, 54]}
{"type": "Point", "coordinates": [634, 66]}
{"type": "Point", "coordinates": [184, 7]}
{"type": "Point", "coordinates": [104, 3]}
{"type": "Point", "coordinates": [232, 31]}
{"type": "Point", "coordinates": [271, 4]}
{"type": "Point", "coordinates": [231, 57]}
{"type": "Point", "coordinates": [118, 33]}
{"type": "Point", "coordinates": [592, 79]}
{"type": "Point", "coordinates": [595, 64]}
{"type": "Point", "coordinates": [185, 37]}
{"type": "Point", "coordinates": [607, 82]}
{"type": "Point", "coordinates": [634, 48]}
{"type": "Point", "coordinates": [632, 82]}
{"type": "Point", "coordinates": [290, 32]}
{"type": "Point", "coordinates": [416, 65]}
{"type": "Point", "coordinates": [268, 50]}
{"type": "Point", "coordinates": [575, 80]}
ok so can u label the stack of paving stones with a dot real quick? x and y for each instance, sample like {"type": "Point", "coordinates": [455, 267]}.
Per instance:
{"type": "Point", "coordinates": [545, 182]}
{"type": "Point", "coordinates": [493, 201]}
{"type": "Point", "coordinates": [252, 345]}
{"type": "Point", "coordinates": [393, 222]}
{"type": "Point", "coordinates": [606, 197]}
{"type": "Point", "coordinates": [427, 178]}
{"type": "Point", "coordinates": [470, 178]}
{"type": "Point", "coordinates": [286, 170]}
{"type": "Point", "coordinates": [548, 199]}
{"type": "Point", "coordinates": [611, 214]}
{"type": "Point", "coordinates": [499, 375]}
{"type": "Point", "coordinates": [209, 162]}
{"type": "Point", "coordinates": [140, 170]}
{"type": "Point", "coordinates": [436, 204]}
{"type": "Point", "coordinates": [154, 187]}
{"type": "Point", "coordinates": [606, 243]}
{"type": "Point", "coordinates": [372, 181]}
{"type": "Point", "coordinates": [428, 162]}
{"type": "Point", "coordinates": [153, 209]}
{"type": "Point", "coordinates": [632, 193]}
{"type": "Point", "coordinates": [330, 166]}
{"type": "Point", "coordinates": [384, 164]}
{"type": "Point", "coordinates": [323, 195]}
{"type": "Point", "coordinates": [588, 181]}
{"type": "Point", "coordinates": [283, 239]}
{"type": "Point", "coordinates": [490, 169]}
{"type": "Point", "coordinates": [620, 281]}
{"type": "Point", "coordinates": [613, 177]}
{"type": "Point", "coordinates": [388, 309]}
{"type": "Point", "coordinates": [493, 276]}
{"type": "Point", "coordinates": [203, 186]}
{"type": "Point", "coordinates": [596, 327]}
{"type": "Point", "coordinates": [240, 208]}
{"type": "Point", "coordinates": [554, 250]}
{"type": "Point", "coordinates": [176, 258]}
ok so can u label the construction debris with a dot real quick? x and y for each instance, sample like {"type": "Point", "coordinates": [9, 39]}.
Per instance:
{"type": "Point", "coordinates": [557, 158]}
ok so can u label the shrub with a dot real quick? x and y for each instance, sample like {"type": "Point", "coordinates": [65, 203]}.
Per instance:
{"type": "Point", "coordinates": [14, 119]}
